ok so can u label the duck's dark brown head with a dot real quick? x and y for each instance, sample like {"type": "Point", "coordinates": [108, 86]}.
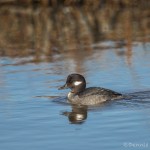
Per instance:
{"type": "Point", "coordinates": [75, 82]}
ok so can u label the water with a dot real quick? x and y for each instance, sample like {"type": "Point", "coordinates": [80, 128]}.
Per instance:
{"type": "Point", "coordinates": [34, 114]}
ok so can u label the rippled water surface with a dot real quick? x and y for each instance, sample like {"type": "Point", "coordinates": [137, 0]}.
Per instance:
{"type": "Point", "coordinates": [34, 114]}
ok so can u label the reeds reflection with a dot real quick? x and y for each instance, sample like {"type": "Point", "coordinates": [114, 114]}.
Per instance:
{"type": "Point", "coordinates": [39, 31]}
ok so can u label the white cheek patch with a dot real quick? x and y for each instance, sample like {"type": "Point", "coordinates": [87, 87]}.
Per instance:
{"type": "Point", "coordinates": [79, 117]}
{"type": "Point", "coordinates": [77, 83]}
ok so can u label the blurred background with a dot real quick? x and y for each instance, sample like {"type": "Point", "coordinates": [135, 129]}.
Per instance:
{"type": "Point", "coordinates": [44, 27]}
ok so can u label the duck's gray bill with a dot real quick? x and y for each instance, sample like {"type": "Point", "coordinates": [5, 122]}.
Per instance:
{"type": "Point", "coordinates": [63, 87]}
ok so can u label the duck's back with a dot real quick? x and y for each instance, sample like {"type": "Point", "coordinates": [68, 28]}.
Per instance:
{"type": "Point", "coordinates": [95, 95]}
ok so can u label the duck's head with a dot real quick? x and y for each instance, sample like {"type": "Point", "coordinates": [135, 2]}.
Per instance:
{"type": "Point", "coordinates": [75, 82]}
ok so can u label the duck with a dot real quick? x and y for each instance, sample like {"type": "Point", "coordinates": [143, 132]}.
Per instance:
{"type": "Point", "coordinates": [80, 95]}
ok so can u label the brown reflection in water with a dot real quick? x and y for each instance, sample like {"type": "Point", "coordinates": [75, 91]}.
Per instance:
{"type": "Point", "coordinates": [78, 115]}
{"type": "Point", "coordinates": [128, 35]}
{"type": "Point", "coordinates": [38, 31]}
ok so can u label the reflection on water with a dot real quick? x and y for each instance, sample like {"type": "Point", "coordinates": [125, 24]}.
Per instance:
{"type": "Point", "coordinates": [78, 114]}
{"type": "Point", "coordinates": [27, 31]}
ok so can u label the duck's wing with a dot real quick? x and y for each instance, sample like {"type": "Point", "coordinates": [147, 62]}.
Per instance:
{"type": "Point", "coordinates": [99, 91]}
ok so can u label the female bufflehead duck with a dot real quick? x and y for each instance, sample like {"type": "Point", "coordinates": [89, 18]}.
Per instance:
{"type": "Point", "coordinates": [81, 95]}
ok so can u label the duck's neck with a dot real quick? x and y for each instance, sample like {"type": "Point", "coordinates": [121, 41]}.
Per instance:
{"type": "Point", "coordinates": [71, 95]}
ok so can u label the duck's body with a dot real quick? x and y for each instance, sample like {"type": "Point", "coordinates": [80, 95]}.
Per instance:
{"type": "Point", "coordinates": [81, 95]}
{"type": "Point", "coordinates": [93, 96]}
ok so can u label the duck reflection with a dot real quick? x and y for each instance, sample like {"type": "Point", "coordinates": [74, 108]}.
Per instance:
{"type": "Point", "coordinates": [78, 115]}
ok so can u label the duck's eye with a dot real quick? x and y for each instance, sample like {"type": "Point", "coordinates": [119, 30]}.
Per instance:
{"type": "Point", "coordinates": [77, 83]}
{"type": "Point", "coordinates": [69, 80]}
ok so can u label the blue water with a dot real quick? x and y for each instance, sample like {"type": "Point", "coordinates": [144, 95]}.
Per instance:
{"type": "Point", "coordinates": [34, 115]}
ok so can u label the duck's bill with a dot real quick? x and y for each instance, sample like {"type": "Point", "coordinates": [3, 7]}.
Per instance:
{"type": "Point", "coordinates": [63, 87]}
